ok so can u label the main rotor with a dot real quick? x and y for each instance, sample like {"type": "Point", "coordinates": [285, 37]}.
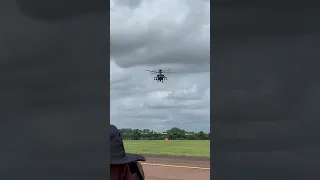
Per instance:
{"type": "Point", "coordinates": [160, 74]}
{"type": "Point", "coordinates": [160, 71]}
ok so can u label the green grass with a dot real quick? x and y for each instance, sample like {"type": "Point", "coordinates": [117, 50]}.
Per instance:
{"type": "Point", "coordinates": [192, 148]}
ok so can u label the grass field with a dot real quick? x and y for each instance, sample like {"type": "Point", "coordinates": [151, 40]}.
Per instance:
{"type": "Point", "coordinates": [193, 148]}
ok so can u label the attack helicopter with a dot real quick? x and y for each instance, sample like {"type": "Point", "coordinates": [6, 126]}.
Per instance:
{"type": "Point", "coordinates": [160, 74]}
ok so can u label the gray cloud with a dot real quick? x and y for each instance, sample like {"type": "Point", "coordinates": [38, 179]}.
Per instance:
{"type": "Point", "coordinates": [157, 32]}
{"type": "Point", "coordinates": [128, 3]}
{"type": "Point", "coordinates": [160, 34]}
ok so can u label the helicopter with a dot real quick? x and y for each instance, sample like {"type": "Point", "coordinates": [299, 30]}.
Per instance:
{"type": "Point", "coordinates": [160, 74]}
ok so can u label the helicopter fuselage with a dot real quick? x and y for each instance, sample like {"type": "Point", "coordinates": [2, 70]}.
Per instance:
{"type": "Point", "coordinates": [160, 77]}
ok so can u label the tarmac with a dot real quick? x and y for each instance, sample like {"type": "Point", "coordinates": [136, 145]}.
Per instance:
{"type": "Point", "coordinates": [176, 168]}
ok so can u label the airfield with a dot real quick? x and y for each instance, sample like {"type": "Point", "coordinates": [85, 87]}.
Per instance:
{"type": "Point", "coordinates": [173, 160]}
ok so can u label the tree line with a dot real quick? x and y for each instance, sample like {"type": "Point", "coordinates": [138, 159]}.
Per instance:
{"type": "Point", "coordinates": [172, 134]}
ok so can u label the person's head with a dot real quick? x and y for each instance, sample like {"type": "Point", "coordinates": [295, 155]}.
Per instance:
{"type": "Point", "coordinates": [122, 165]}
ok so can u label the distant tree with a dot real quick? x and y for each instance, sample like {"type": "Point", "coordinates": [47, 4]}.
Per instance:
{"type": "Point", "coordinates": [146, 131]}
{"type": "Point", "coordinates": [176, 133]}
{"type": "Point", "coordinates": [136, 134]}
{"type": "Point", "coordinates": [192, 137]}
{"type": "Point", "coordinates": [202, 136]}
{"type": "Point", "coordinates": [158, 136]}
{"type": "Point", "coordinates": [173, 134]}
{"type": "Point", "coordinates": [126, 133]}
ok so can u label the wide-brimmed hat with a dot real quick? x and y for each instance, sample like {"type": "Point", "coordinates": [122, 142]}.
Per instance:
{"type": "Point", "coordinates": [117, 150]}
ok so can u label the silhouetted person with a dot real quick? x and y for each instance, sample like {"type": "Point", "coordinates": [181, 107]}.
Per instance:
{"type": "Point", "coordinates": [123, 165]}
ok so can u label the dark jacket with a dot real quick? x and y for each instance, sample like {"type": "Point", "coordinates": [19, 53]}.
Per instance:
{"type": "Point", "coordinates": [131, 171]}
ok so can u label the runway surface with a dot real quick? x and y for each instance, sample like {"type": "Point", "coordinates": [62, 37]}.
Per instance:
{"type": "Point", "coordinates": [176, 168]}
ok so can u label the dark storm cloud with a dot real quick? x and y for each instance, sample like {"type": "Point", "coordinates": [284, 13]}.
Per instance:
{"type": "Point", "coordinates": [52, 98]}
{"type": "Point", "coordinates": [265, 118]}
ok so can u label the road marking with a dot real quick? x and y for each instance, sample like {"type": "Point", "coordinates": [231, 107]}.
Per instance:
{"type": "Point", "coordinates": [176, 166]}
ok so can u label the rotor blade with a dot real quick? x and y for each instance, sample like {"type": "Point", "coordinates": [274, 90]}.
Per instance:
{"type": "Point", "coordinates": [166, 70]}
{"type": "Point", "coordinates": [151, 71]}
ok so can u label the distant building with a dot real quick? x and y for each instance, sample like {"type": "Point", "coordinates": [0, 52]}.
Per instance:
{"type": "Point", "coordinates": [189, 133]}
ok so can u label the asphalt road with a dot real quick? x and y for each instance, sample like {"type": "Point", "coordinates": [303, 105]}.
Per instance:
{"type": "Point", "coordinates": [176, 168]}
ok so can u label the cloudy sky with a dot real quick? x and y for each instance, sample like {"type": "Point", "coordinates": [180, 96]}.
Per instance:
{"type": "Point", "coordinates": [160, 34]}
